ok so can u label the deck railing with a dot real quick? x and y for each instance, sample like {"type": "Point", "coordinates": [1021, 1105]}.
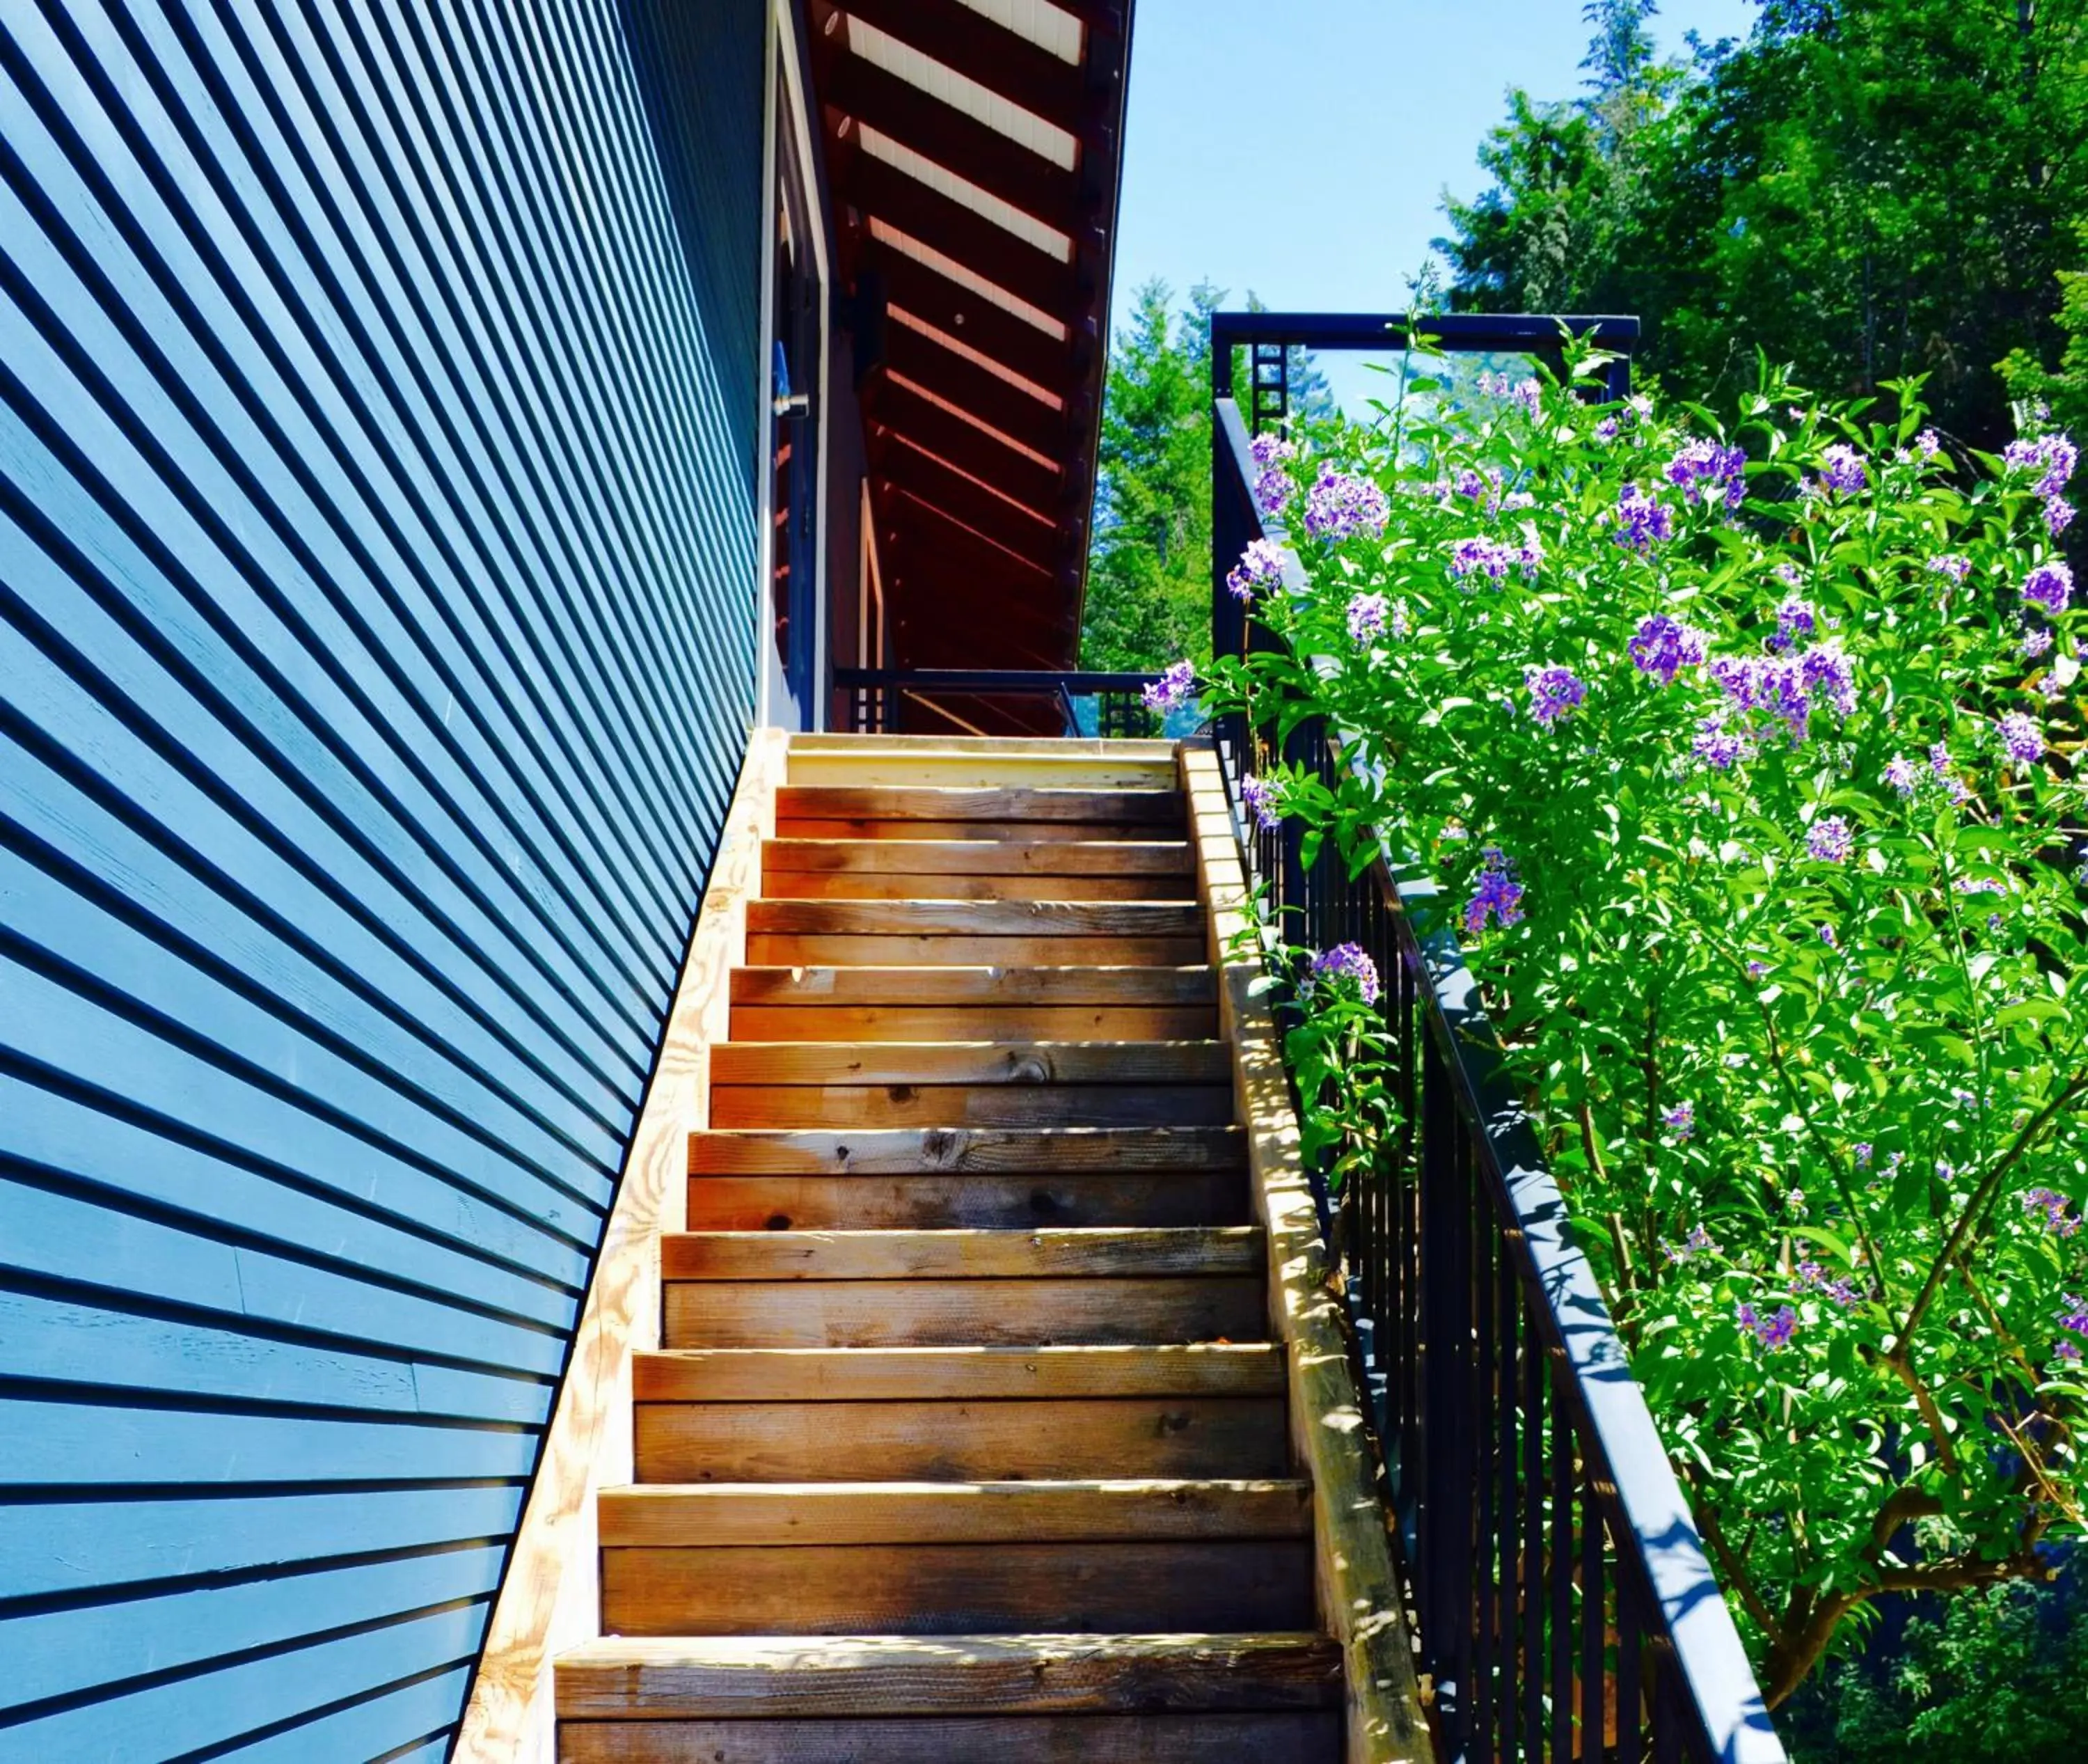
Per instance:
{"type": "Point", "coordinates": [954, 701]}
{"type": "Point", "coordinates": [1565, 1608]}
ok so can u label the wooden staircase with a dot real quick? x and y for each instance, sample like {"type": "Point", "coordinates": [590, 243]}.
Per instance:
{"type": "Point", "coordinates": [969, 1439]}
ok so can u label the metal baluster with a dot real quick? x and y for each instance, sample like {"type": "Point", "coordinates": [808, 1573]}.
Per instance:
{"type": "Point", "coordinates": [1486, 1385]}
{"type": "Point", "coordinates": [1561, 1637]}
{"type": "Point", "coordinates": [1534, 1371]}
{"type": "Point", "coordinates": [1594, 1615]}
{"type": "Point", "coordinates": [1514, 1347]}
{"type": "Point", "coordinates": [1631, 1709]}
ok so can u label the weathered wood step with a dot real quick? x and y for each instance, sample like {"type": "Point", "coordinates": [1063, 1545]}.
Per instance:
{"type": "Point", "coordinates": [720, 1515]}
{"type": "Point", "coordinates": [872, 1201]}
{"type": "Point", "coordinates": [1023, 1310]}
{"type": "Point", "coordinates": [816, 1021]}
{"type": "Point", "coordinates": [670, 1679]}
{"type": "Point", "coordinates": [1252, 1738]}
{"type": "Point", "coordinates": [1000, 1104]}
{"type": "Point", "coordinates": [1171, 858]}
{"type": "Point", "coordinates": [1013, 831]}
{"type": "Point", "coordinates": [955, 1374]}
{"type": "Point", "coordinates": [1055, 984]}
{"type": "Point", "coordinates": [1029, 919]}
{"type": "Point", "coordinates": [940, 1440]}
{"type": "Point", "coordinates": [943, 1589]}
{"type": "Point", "coordinates": [844, 885]}
{"type": "Point", "coordinates": [934, 1150]}
{"type": "Point", "coordinates": [1087, 1254]}
{"type": "Point", "coordinates": [876, 764]}
{"type": "Point", "coordinates": [972, 1062]}
{"type": "Point", "coordinates": [875, 950]}
{"type": "Point", "coordinates": [1142, 807]}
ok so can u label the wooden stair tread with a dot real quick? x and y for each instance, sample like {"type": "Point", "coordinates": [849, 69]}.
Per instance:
{"type": "Point", "coordinates": [1101, 1252]}
{"type": "Point", "coordinates": [970, 1374]}
{"type": "Point", "coordinates": [973, 919]}
{"type": "Point", "coordinates": [666, 1678]}
{"type": "Point", "coordinates": [926, 1150]}
{"type": "Point", "coordinates": [883, 767]}
{"type": "Point", "coordinates": [972, 1062]}
{"type": "Point", "coordinates": [707, 1515]}
{"type": "Point", "coordinates": [958, 983]}
{"type": "Point", "coordinates": [1000, 803]}
{"type": "Point", "coordinates": [987, 857]}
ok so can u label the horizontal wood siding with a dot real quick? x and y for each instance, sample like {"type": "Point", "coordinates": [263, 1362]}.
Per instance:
{"type": "Point", "coordinates": [379, 399]}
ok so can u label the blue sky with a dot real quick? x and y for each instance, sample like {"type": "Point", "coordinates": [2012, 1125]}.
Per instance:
{"type": "Point", "coordinates": [1300, 147]}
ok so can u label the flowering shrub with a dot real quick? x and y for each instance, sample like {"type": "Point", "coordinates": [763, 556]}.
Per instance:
{"type": "Point", "coordinates": [1749, 754]}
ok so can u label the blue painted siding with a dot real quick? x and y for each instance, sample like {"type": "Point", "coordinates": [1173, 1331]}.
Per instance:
{"type": "Point", "coordinates": [380, 387]}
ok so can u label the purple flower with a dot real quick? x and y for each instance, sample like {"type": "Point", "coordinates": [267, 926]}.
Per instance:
{"type": "Point", "coordinates": [2052, 456]}
{"type": "Point", "coordinates": [1827, 936]}
{"type": "Point", "coordinates": [1826, 674]}
{"type": "Point", "coordinates": [2022, 737]}
{"type": "Point", "coordinates": [1928, 444]}
{"type": "Point", "coordinates": [2058, 514]}
{"type": "Point", "coordinates": [1843, 469]}
{"type": "Point", "coordinates": [1829, 840]}
{"type": "Point", "coordinates": [1606, 430]}
{"type": "Point", "coordinates": [1664, 646]}
{"type": "Point", "coordinates": [1261, 565]}
{"type": "Point", "coordinates": [1697, 1243]}
{"type": "Point", "coordinates": [1553, 692]}
{"type": "Point", "coordinates": [1681, 1120]}
{"type": "Point", "coordinates": [1273, 488]}
{"type": "Point", "coordinates": [1345, 962]}
{"type": "Point", "coordinates": [1642, 519]}
{"type": "Point", "coordinates": [1488, 557]}
{"type": "Point", "coordinates": [1258, 798]}
{"type": "Point", "coordinates": [2049, 585]}
{"type": "Point", "coordinates": [2053, 1206]}
{"type": "Point", "coordinates": [1497, 894]}
{"type": "Point", "coordinates": [1861, 1152]}
{"type": "Point", "coordinates": [1366, 616]}
{"type": "Point", "coordinates": [1716, 745]}
{"type": "Point", "coordinates": [1340, 505]}
{"type": "Point", "coordinates": [1900, 773]}
{"type": "Point", "coordinates": [2035, 643]}
{"type": "Point", "coordinates": [1795, 618]}
{"type": "Point", "coordinates": [2066, 1351]}
{"type": "Point", "coordinates": [1951, 564]}
{"type": "Point", "coordinates": [1175, 687]}
{"type": "Point", "coordinates": [2075, 1316]}
{"type": "Point", "coordinates": [1813, 1277]}
{"type": "Point", "coordinates": [1757, 970]}
{"type": "Point", "coordinates": [1705, 471]}
{"type": "Point", "coordinates": [1772, 1332]}
{"type": "Point", "coordinates": [1476, 486]}
{"type": "Point", "coordinates": [1530, 395]}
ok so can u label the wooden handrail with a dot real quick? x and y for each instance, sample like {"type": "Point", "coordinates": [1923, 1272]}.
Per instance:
{"type": "Point", "coordinates": [549, 1596]}
{"type": "Point", "coordinates": [1361, 1602]}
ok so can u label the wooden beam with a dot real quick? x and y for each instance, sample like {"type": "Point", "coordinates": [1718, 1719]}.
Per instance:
{"type": "Point", "coordinates": [1360, 1602]}
{"type": "Point", "coordinates": [975, 390]}
{"type": "Point", "coordinates": [988, 250]}
{"type": "Point", "coordinates": [1030, 535]}
{"type": "Point", "coordinates": [929, 295]}
{"type": "Point", "coordinates": [549, 1596]}
{"type": "Point", "coordinates": [860, 91]}
{"type": "Point", "coordinates": [900, 415]}
{"type": "Point", "coordinates": [969, 43]}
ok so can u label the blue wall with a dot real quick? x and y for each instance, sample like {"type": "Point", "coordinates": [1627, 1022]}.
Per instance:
{"type": "Point", "coordinates": [378, 435]}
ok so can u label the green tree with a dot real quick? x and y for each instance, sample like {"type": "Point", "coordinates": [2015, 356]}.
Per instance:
{"type": "Point", "coordinates": [1148, 597]}
{"type": "Point", "coordinates": [1866, 188]}
{"type": "Point", "coordinates": [2065, 389]}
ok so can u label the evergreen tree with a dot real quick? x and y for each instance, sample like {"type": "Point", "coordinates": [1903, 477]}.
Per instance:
{"type": "Point", "coordinates": [1149, 598]}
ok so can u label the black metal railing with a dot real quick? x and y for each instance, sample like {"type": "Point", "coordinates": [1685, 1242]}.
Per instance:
{"type": "Point", "coordinates": [954, 701]}
{"type": "Point", "coordinates": [1564, 1607]}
